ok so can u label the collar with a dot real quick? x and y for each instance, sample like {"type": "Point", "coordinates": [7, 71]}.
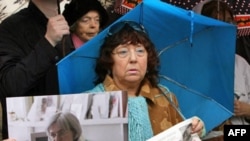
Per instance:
{"type": "Point", "coordinates": [76, 41]}
{"type": "Point", "coordinates": [146, 91]}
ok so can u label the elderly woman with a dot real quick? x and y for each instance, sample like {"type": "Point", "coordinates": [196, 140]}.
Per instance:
{"type": "Point", "coordinates": [86, 18]}
{"type": "Point", "coordinates": [64, 127]}
{"type": "Point", "coordinates": [128, 61]}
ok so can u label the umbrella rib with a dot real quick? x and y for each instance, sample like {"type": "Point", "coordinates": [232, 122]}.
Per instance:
{"type": "Point", "coordinates": [193, 91]}
{"type": "Point", "coordinates": [171, 102]}
{"type": "Point", "coordinates": [84, 57]}
{"type": "Point", "coordinates": [183, 86]}
{"type": "Point", "coordinates": [172, 45]}
{"type": "Point", "coordinates": [182, 41]}
{"type": "Point", "coordinates": [58, 7]}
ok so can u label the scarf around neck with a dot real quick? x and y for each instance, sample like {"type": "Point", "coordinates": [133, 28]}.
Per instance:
{"type": "Point", "coordinates": [139, 125]}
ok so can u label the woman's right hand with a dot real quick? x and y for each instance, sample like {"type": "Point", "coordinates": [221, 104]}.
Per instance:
{"type": "Point", "coordinates": [57, 27]}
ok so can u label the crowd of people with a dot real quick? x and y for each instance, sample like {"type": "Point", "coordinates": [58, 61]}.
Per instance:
{"type": "Point", "coordinates": [127, 61]}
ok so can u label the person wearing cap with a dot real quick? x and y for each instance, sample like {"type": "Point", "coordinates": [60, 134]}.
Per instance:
{"type": "Point", "coordinates": [29, 51]}
{"type": "Point", "coordinates": [86, 19]}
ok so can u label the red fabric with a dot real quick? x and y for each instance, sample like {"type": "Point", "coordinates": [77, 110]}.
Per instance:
{"type": "Point", "coordinates": [243, 23]}
{"type": "Point", "coordinates": [77, 41]}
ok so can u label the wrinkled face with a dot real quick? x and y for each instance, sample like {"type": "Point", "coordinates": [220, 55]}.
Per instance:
{"type": "Point", "coordinates": [88, 26]}
{"type": "Point", "coordinates": [130, 64]}
{"type": "Point", "coordinates": [58, 134]}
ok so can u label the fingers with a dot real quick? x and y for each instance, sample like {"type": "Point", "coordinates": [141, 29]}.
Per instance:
{"type": "Point", "coordinates": [57, 27]}
{"type": "Point", "coordinates": [197, 125]}
{"type": "Point", "coordinates": [241, 108]}
{"type": "Point", "coordinates": [237, 108]}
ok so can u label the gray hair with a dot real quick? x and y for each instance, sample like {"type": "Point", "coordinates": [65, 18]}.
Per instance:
{"type": "Point", "coordinates": [67, 121]}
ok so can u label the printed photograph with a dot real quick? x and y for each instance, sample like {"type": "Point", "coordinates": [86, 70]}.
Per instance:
{"type": "Point", "coordinates": [44, 118]}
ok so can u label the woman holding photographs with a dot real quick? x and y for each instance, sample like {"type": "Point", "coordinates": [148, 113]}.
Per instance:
{"type": "Point", "coordinates": [128, 61]}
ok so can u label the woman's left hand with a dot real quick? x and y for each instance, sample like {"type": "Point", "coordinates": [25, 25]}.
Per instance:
{"type": "Point", "coordinates": [241, 108]}
{"type": "Point", "coordinates": [197, 126]}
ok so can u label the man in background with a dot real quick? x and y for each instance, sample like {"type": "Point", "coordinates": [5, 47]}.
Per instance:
{"type": "Point", "coordinates": [29, 52]}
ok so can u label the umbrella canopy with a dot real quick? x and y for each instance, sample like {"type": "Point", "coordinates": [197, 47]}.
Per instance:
{"type": "Point", "coordinates": [9, 7]}
{"type": "Point", "coordinates": [196, 55]}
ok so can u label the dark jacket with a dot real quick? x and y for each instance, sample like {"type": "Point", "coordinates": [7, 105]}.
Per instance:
{"type": "Point", "coordinates": [27, 59]}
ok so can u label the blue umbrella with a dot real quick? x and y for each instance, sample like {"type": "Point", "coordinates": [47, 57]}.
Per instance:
{"type": "Point", "coordinates": [196, 54]}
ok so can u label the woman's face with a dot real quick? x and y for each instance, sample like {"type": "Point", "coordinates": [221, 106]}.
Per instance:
{"type": "Point", "coordinates": [88, 26]}
{"type": "Point", "coordinates": [59, 134]}
{"type": "Point", "coordinates": [130, 64]}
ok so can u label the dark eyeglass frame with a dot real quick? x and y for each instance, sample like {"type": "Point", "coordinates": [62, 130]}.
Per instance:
{"type": "Point", "coordinates": [119, 25]}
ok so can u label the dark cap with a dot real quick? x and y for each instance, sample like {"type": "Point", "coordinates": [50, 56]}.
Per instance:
{"type": "Point", "coordinates": [77, 8]}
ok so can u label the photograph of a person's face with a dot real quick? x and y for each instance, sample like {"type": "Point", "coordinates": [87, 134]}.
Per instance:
{"type": "Point", "coordinates": [96, 112]}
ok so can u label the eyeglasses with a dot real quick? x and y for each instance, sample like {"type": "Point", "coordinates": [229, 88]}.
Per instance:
{"type": "Point", "coordinates": [124, 52]}
{"type": "Point", "coordinates": [118, 26]}
{"type": "Point", "coordinates": [59, 133]}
